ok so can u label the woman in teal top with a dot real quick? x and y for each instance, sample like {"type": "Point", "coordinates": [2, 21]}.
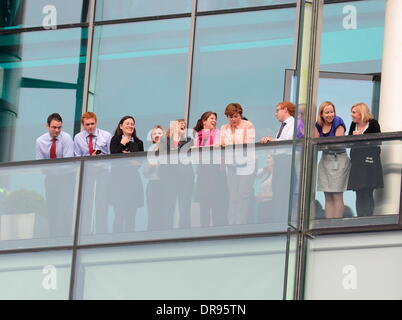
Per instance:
{"type": "Point", "coordinates": [334, 166]}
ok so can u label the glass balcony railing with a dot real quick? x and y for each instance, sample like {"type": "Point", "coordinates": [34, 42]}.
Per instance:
{"type": "Point", "coordinates": [38, 204]}
{"type": "Point", "coordinates": [356, 181]}
{"type": "Point", "coordinates": [150, 196]}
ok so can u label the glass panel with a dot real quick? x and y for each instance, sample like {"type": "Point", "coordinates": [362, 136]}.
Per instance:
{"type": "Point", "coordinates": [38, 205]}
{"type": "Point", "coordinates": [139, 69]}
{"type": "Point", "coordinates": [242, 58]}
{"type": "Point", "coordinates": [35, 276]}
{"type": "Point", "coordinates": [358, 266]}
{"type": "Point", "coordinates": [291, 266]}
{"type": "Point", "coordinates": [344, 93]}
{"type": "Point", "coordinates": [205, 5]}
{"type": "Point", "coordinates": [186, 195]}
{"type": "Point", "coordinates": [225, 269]}
{"type": "Point", "coordinates": [365, 176]}
{"type": "Point", "coordinates": [295, 186]}
{"type": "Point", "coordinates": [40, 73]}
{"type": "Point", "coordinates": [41, 13]}
{"type": "Point", "coordinates": [353, 36]}
{"type": "Point", "coordinates": [124, 9]}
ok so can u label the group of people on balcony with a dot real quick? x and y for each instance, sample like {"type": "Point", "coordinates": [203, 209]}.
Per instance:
{"type": "Point", "coordinates": [336, 172]}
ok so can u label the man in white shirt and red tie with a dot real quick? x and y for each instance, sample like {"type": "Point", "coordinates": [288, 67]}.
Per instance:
{"type": "Point", "coordinates": [60, 181]}
{"type": "Point", "coordinates": [91, 142]}
{"type": "Point", "coordinates": [55, 143]}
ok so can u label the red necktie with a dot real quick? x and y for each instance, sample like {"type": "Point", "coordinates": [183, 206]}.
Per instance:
{"type": "Point", "coordinates": [90, 145]}
{"type": "Point", "coordinates": [53, 149]}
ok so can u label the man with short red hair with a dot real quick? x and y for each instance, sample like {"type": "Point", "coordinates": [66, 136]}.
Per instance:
{"type": "Point", "coordinates": [91, 141]}
{"type": "Point", "coordinates": [277, 210]}
{"type": "Point", "coordinates": [285, 112]}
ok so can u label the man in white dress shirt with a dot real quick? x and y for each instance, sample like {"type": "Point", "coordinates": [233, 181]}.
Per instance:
{"type": "Point", "coordinates": [55, 143]}
{"type": "Point", "coordinates": [60, 182]}
{"type": "Point", "coordinates": [91, 142]}
{"type": "Point", "coordinates": [285, 112]}
{"type": "Point", "coordinates": [282, 168]}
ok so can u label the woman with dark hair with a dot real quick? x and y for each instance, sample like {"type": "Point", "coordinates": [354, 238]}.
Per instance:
{"type": "Point", "coordinates": [125, 139]}
{"type": "Point", "coordinates": [211, 184]}
{"type": "Point", "coordinates": [124, 173]}
{"type": "Point", "coordinates": [207, 134]}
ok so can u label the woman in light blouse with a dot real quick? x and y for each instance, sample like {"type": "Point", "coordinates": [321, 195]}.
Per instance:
{"type": "Point", "coordinates": [240, 187]}
{"type": "Point", "coordinates": [237, 130]}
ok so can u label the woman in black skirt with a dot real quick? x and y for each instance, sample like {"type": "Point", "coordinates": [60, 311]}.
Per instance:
{"type": "Point", "coordinates": [366, 171]}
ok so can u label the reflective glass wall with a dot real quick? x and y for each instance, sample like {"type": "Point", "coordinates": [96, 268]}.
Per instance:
{"type": "Point", "coordinates": [351, 52]}
{"type": "Point", "coordinates": [160, 61]}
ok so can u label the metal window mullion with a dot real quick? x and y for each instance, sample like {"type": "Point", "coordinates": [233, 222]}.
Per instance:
{"type": "Point", "coordinates": [190, 62]}
{"type": "Point", "coordinates": [76, 232]}
{"type": "Point", "coordinates": [91, 26]}
{"type": "Point", "coordinates": [313, 62]}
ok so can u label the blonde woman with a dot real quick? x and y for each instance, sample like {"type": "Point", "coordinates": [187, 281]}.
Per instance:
{"type": "Point", "coordinates": [155, 186]}
{"type": "Point", "coordinates": [334, 166]}
{"type": "Point", "coordinates": [178, 178]}
{"type": "Point", "coordinates": [366, 170]}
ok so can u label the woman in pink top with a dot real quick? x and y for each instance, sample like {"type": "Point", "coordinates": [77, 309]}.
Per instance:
{"type": "Point", "coordinates": [240, 187]}
{"type": "Point", "coordinates": [211, 184]}
{"type": "Point", "coordinates": [237, 131]}
{"type": "Point", "coordinates": [207, 134]}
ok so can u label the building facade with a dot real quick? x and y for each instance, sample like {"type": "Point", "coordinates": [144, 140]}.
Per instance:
{"type": "Point", "coordinates": [158, 61]}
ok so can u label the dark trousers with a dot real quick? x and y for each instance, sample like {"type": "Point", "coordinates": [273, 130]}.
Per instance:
{"type": "Point", "coordinates": [364, 202]}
